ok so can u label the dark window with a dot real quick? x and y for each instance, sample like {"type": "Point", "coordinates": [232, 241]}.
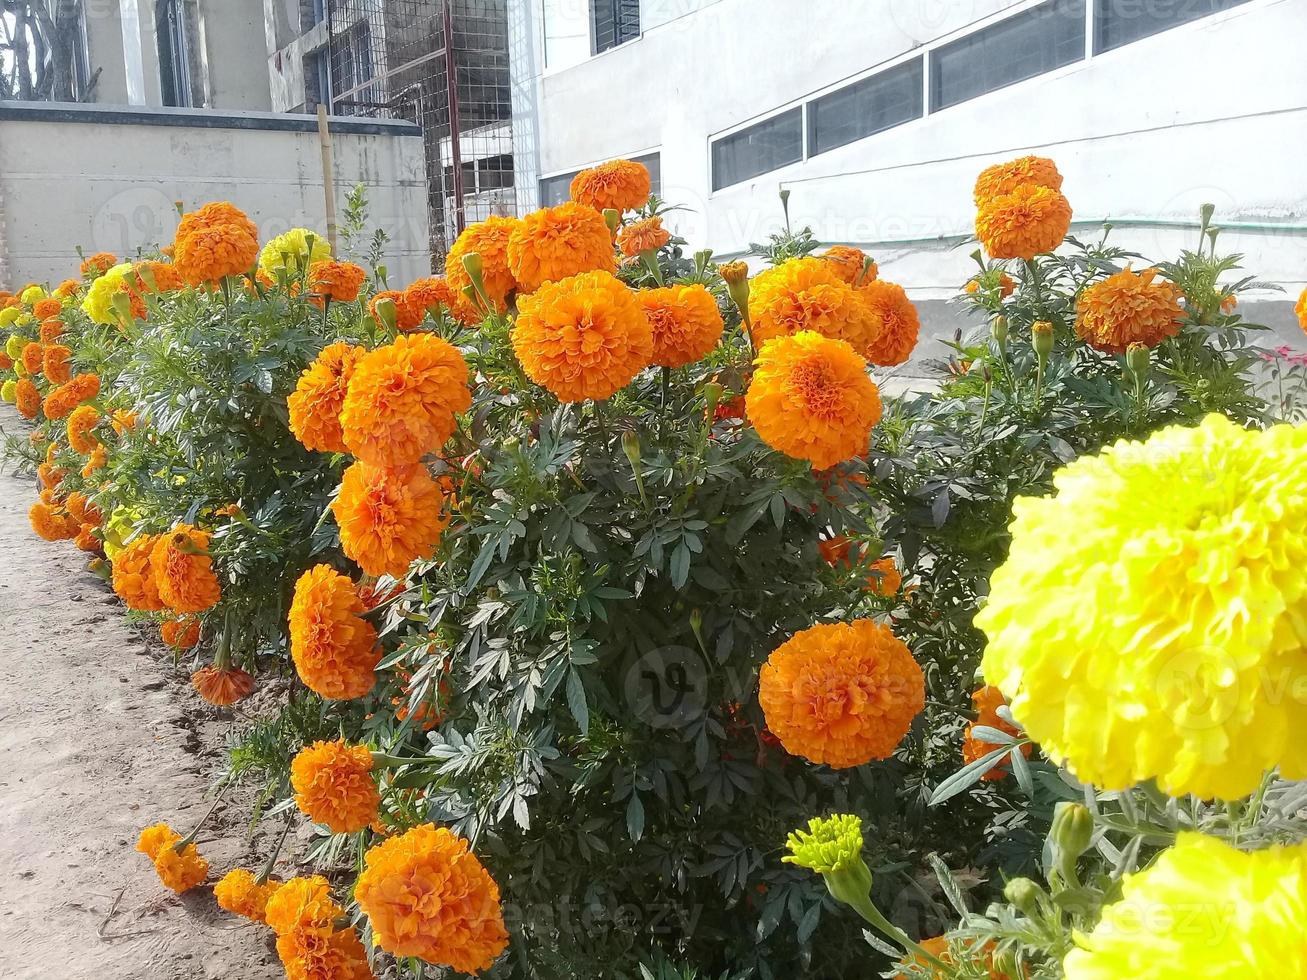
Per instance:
{"type": "Point", "coordinates": [557, 189]}
{"type": "Point", "coordinates": [1118, 22]}
{"type": "Point", "coordinates": [174, 66]}
{"type": "Point", "coordinates": [615, 22]}
{"type": "Point", "coordinates": [1023, 46]}
{"type": "Point", "coordinates": [766, 146]}
{"type": "Point", "coordinates": [868, 106]}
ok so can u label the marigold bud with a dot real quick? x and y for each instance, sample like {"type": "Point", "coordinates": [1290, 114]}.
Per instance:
{"type": "Point", "coordinates": [1024, 894]}
{"type": "Point", "coordinates": [631, 446]}
{"type": "Point", "coordinates": [998, 329]}
{"type": "Point", "coordinates": [388, 313]}
{"type": "Point", "coordinates": [1041, 334]}
{"type": "Point", "coordinates": [1138, 359]}
{"type": "Point", "coordinates": [712, 395]}
{"type": "Point", "coordinates": [1072, 831]}
{"type": "Point", "coordinates": [612, 218]}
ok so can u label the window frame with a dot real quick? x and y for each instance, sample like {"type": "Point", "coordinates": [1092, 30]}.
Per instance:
{"type": "Point", "coordinates": [916, 61]}
{"type": "Point", "coordinates": [800, 110]}
{"type": "Point", "coordinates": [592, 10]}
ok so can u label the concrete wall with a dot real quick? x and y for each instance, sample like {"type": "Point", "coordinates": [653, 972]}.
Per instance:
{"type": "Point", "coordinates": [106, 180]}
{"type": "Point", "coordinates": [1215, 110]}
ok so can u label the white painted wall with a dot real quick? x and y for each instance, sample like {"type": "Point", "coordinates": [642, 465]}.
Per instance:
{"type": "Point", "coordinates": [1215, 110]}
{"type": "Point", "coordinates": [111, 187]}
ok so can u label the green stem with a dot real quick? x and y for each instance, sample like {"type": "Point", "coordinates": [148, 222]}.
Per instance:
{"type": "Point", "coordinates": [867, 909]}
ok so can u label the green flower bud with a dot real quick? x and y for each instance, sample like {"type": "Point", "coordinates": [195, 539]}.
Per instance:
{"type": "Point", "coordinates": [612, 218]}
{"type": "Point", "coordinates": [1072, 831]}
{"type": "Point", "coordinates": [1041, 338]}
{"type": "Point", "coordinates": [832, 846]}
{"type": "Point", "coordinates": [473, 267]}
{"type": "Point", "coordinates": [388, 313]}
{"type": "Point", "coordinates": [998, 329]}
{"type": "Point", "coordinates": [712, 396]}
{"type": "Point", "coordinates": [631, 446]}
{"type": "Point", "coordinates": [1024, 894]}
{"type": "Point", "coordinates": [1139, 360]}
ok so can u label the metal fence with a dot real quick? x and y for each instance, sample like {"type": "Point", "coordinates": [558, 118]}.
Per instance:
{"type": "Point", "coordinates": [444, 65]}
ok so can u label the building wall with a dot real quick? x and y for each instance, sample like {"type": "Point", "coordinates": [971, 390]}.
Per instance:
{"type": "Point", "coordinates": [1209, 111]}
{"type": "Point", "coordinates": [114, 180]}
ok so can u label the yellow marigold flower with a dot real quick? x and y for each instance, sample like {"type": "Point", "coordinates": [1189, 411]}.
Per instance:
{"type": "Point", "coordinates": [216, 241]}
{"type": "Point", "coordinates": [334, 786]}
{"type": "Point", "coordinates": [339, 281]}
{"type": "Point", "coordinates": [14, 346]}
{"type": "Point", "coordinates": [685, 321]}
{"type": "Point", "coordinates": [896, 337]}
{"type": "Point", "coordinates": [808, 294]}
{"type": "Point", "coordinates": [98, 302]}
{"type": "Point", "coordinates": [851, 264]}
{"type": "Point", "coordinates": [645, 235]}
{"type": "Point", "coordinates": [842, 694]}
{"type": "Point", "coordinates": [489, 240]}
{"type": "Point", "coordinates": [240, 893]}
{"type": "Point", "coordinates": [403, 399]}
{"type": "Point", "coordinates": [183, 570]}
{"type": "Point", "coordinates": [554, 243]}
{"type": "Point", "coordinates": [81, 421]}
{"type": "Point", "coordinates": [1203, 909]}
{"type": "Point", "coordinates": [1022, 224]}
{"type": "Point", "coordinates": [810, 398]}
{"type": "Point", "coordinates": [301, 903]}
{"type": "Point", "coordinates": [9, 391]}
{"type": "Point", "coordinates": [32, 295]}
{"type": "Point", "coordinates": [1004, 178]}
{"type": "Point", "coordinates": [1147, 622]}
{"type": "Point", "coordinates": [294, 250]}
{"type": "Point", "coordinates": [133, 576]}
{"type": "Point", "coordinates": [388, 518]}
{"type": "Point", "coordinates": [830, 844]}
{"type": "Point", "coordinates": [334, 648]}
{"type": "Point", "coordinates": [1128, 308]}
{"type": "Point", "coordinates": [428, 896]}
{"type": "Point", "coordinates": [582, 337]}
{"type": "Point", "coordinates": [315, 404]}
{"type": "Point", "coordinates": [622, 185]}
{"type": "Point", "coordinates": [179, 870]}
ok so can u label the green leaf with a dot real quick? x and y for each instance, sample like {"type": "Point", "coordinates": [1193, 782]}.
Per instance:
{"type": "Point", "coordinates": [967, 775]}
{"type": "Point", "coordinates": [635, 817]}
{"type": "Point", "coordinates": [576, 701]}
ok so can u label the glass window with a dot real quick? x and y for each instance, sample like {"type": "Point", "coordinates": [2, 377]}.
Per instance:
{"type": "Point", "coordinates": [174, 67]}
{"type": "Point", "coordinates": [1020, 47]}
{"type": "Point", "coordinates": [769, 145]}
{"type": "Point", "coordinates": [1118, 22]}
{"type": "Point", "coordinates": [868, 106]}
{"type": "Point", "coordinates": [615, 22]}
{"type": "Point", "coordinates": [557, 189]}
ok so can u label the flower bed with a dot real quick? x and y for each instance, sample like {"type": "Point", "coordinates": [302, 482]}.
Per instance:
{"type": "Point", "coordinates": [599, 568]}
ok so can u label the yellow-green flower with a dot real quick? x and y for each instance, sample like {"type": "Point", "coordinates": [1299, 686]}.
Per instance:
{"type": "Point", "coordinates": [1149, 621]}
{"type": "Point", "coordinates": [98, 303]}
{"type": "Point", "coordinates": [829, 844]}
{"type": "Point", "coordinates": [8, 316]}
{"type": "Point", "coordinates": [1204, 909]}
{"type": "Point", "coordinates": [32, 294]}
{"type": "Point", "coordinates": [292, 251]}
{"type": "Point", "coordinates": [9, 391]}
{"type": "Point", "coordinates": [14, 346]}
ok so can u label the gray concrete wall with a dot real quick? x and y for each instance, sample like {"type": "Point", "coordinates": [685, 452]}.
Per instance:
{"type": "Point", "coordinates": [107, 180]}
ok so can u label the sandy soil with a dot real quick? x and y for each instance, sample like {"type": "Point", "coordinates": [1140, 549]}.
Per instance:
{"type": "Point", "coordinates": [99, 737]}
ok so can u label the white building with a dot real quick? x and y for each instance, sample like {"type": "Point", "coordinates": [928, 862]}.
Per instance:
{"type": "Point", "coordinates": [878, 114]}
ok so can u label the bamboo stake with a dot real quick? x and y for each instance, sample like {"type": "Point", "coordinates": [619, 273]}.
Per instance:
{"type": "Point", "coordinates": [328, 176]}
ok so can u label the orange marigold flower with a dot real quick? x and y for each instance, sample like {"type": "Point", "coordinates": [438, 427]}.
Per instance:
{"type": "Point", "coordinates": [583, 337]}
{"type": "Point", "coordinates": [51, 522]}
{"type": "Point", "coordinates": [6, 362]}
{"type": "Point", "coordinates": [842, 694]}
{"type": "Point", "coordinates": [979, 956]}
{"type": "Point", "coordinates": [133, 576]}
{"type": "Point", "coordinates": [81, 421]}
{"type": "Point", "coordinates": [69, 286]}
{"type": "Point", "coordinates": [1128, 308]}
{"type": "Point", "coordinates": [685, 321]}
{"type": "Point", "coordinates": [216, 241]}
{"type": "Point", "coordinates": [48, 473]}
{"type": "Point", "coordinates": [835, 550]}
{"type": "Point", "coordinates": [179, 870]}
{"type": "Point", "coordinates": [851, 264]}
{"type": "Point", "coordinates": [1300, 310]}
{"type": "Point", "coordinates": [315, 403]}
{"type": "Point", "coordinates": [554, 243]}
{"type": "Point", "coordinates": [123, 420]}
{"type": "Point", "coordinates": [98, 264]}
{"type": "Point", "coordinates": [183, 570]}
{"type": "Point", "coordinates": [810, 398]}
{"type": "Point", "coordinates": [339, 281]}
{"type": "Point", "coordinates": [55, 365]}
{"type": "Point", "coordinates": [1004, 178]}
{"type": "Point", "coordinates": [808, 294]}
{"type": "Point", "coordinates": [32, 355]}
{"type": "Point", "coordinates": [240, 893]}
{"type": "Point", "coordinates": [428, 896]}
{"type": "Point", "coordinates": [403, 399]}
{"type": "Point", "coordinates": [987, 700]}
{"type": "Point", "coordinates": [430, 711]}
{"type": "Point", "coordinates": [44, 309]}
{"type": "Point", "coordinates": [489, 240]}
{"type": "Point", "coordinates": [62, 400]}
{"type": "Point", "coordinates": [222, 686]}
{"type": "Point", "coordinates": [334, 786]}
{"type": "Point", "coordinates": [181, 634]}
{"type": "Point", "coordinates": [86, 539]}
{"type": "Point", "coordinates": [323, 954]}
{"type": "Point", "coordinates": [156, 277]}
{"type": "Point", "coordinates": [622, 185]}
{"type": "Point", "coordinates": [95, 461]}
{"type": "Point", "coordinates": [389, 517]}
{"type": "Point", "coordinates": [27, 399]}
{"type": "Point", "coordinates": [301, 903]}
{"type": "Point", "coordinates": [83, 511]}
{"type": "Point", "coordinates": [435, 293]}
{"type": "Point", "coordinates": [899, 323]}
{"type": "Point", "coordinates": [645, 235]}
{"type": "Point", "coordinates": [1020, 225]}
{"type": "Point", "coordinates": [407, 316]}
{"type": "Point", "coordinates": [883, 578]}
{"type": "Point", "coordinates": [334, 648]}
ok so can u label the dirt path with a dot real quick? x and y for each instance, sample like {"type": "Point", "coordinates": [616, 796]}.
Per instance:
{"type": "Point", "coordinates": [98, 739]}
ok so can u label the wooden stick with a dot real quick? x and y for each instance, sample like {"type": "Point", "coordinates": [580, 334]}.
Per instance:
{"type": "Point", "coordinates": [328, 176]}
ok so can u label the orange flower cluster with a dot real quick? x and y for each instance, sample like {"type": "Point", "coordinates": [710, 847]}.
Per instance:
{"type": "Point", "coordinates": [685, 321]}
{"type": "Point", "coordinates": [622, 185]}
{"type": "Point", "coordinates": [389, 517]}
{"type": "Point", "coordinates": [1024, 222]}
{"type": "Point", "coordinates": [333, 647]}
{"type": "Point", "coordinates": [334, 786]}
{"type": "Point", "coordinates": [31, 357]}
{"type": "Point", "coordinates": [899, 324]}
{"type": "Point", "coordinates": [81, 421]}
{"type": "Point", "coordinates": [27, 399]}
{"type": "Point", "coordinates": [44, 309]}
{"type": "Point", "coordinates": [489, 241]}
{"type": "Point", "coordinates": [339, 282]}
{"type": "Point", "coordinates": [554, 243]}
{"type": "Point", "coordinates": [407, 316]}
{"type": "Point", "coordinates": [52, 522]}
{"type": "Point", "coordinates": [1004, 178]}
{"type": "Point", "coordinates": [645, 235]}
{"type": "Point", "coordinates": [1128, 308]}
{"type": "Point", "coordinates": [583, 337]}
{"type": "Point", "coordinates": [1300, 310]}
{"type": "Point", "coordinates": [428, 896]}
{"type": "Point", "coordinates": [810, 398]}
{"type": "Point", "coordinates": [133, 577]}
{"type": "Point", "coordinates": [851, 264]}
{"type": "Point", "coordinates": [180, 870]}
{"type": "Point", "coordinates": [303, 915]}
{"type": "Point", "coordinates": [842, 694]}
{"type": "Point", "coordinates": [809, 294]}
{"type": "Point", "coordinates": [98, 264]}
{"type": "Point", "coordinates": [50, 331]}
{"type": "Point", "coordinates": [183, 570]}
{"type": "Point", "coordinates": [222, 686]}
{"type": "Point", "coordinates": [180, 634]}
{"type": "Point", "coordinates": [216, 241]}
{"type": "Point", "coordinates": [240, 893]}
{"type": "Point", "coordinates": [316, 402]}
{"type": "Point", "coordinates": [433, 294]}
{"type": "Point", "coordinates": [987, 700]}
{"type": "Point", "coordinates": [155, 277]}
{"type": "Point", "coordinates": [59, 402]}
